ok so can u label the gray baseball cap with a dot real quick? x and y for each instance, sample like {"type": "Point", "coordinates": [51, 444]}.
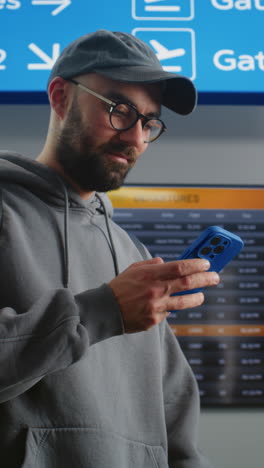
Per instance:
{"type": "Point", "coordinates": [124, 57]}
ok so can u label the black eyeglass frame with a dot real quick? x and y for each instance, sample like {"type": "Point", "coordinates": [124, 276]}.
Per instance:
{"type": "Point", "coordinates": [113, 105]}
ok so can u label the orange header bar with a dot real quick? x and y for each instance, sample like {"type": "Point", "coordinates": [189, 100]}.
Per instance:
{"type": "Point", "coordinates": [188, 198]}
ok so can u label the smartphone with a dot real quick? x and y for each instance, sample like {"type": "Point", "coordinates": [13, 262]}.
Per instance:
{"type": "Point", "coordinates": [215, 244]}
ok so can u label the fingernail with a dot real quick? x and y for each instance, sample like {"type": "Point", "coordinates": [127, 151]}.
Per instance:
{"type": "Point", "coordinates": [206, 264]}
{"type": "Point", "coordinates": [216, 278]}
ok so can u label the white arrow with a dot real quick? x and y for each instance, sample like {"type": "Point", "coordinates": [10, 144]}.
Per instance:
{"type": "Point", "coordinates": [163, 53]}
{"type": "Point", "coordinates": [48, 61]}
{"type": "Point", "coordinates": [62, 4]}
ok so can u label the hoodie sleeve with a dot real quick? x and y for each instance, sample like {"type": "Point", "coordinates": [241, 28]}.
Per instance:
{"type": "Point", "coordinates": [182, 406]}
{"type": "Point", "coordinates": [54, 333]}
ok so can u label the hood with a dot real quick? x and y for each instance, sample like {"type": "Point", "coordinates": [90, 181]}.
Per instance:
{"type": "Point", "coordinates": [46, 183]}
{"type": "Point", "coordinates": [49, 186]}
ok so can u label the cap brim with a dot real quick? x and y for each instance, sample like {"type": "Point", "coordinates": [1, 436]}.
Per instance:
{"type": "Point", "coordinates": [179, 94]}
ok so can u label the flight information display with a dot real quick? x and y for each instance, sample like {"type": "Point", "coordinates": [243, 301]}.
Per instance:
{"type": "Point", "coordinates": [216, 43]}
{"type": "Point", "coordinates": [223, 339]}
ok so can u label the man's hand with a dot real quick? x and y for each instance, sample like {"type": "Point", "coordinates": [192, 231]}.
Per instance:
{"type": "Point", "coordinates": [144, 290]}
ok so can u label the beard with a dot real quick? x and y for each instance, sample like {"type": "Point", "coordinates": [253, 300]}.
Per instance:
{"type": "Point", "coordinates": [85, 163]}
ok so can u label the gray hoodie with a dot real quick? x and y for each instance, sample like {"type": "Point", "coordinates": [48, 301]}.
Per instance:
{"type": "Point", "coordinates": [75, 390]}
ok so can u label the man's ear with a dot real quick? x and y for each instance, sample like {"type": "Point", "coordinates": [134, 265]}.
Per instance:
{"type": "Point", "coordinates": [59, 95]}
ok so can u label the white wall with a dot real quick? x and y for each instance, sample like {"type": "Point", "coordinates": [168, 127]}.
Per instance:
{"type": "Point", "coordinates": [215, 145]}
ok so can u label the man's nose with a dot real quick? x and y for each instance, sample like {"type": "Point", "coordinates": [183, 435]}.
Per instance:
{"type": "Point", "coordinates": [134, 136]}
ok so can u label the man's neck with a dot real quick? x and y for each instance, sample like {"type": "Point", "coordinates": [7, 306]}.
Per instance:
{"type": "Point", "coordinates": [44, 158]}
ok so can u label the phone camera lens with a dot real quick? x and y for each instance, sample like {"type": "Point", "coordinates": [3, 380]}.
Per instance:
{"type": "Point", "coordinates": [205, 251]}
{"type": "Point", "coordinates": [219, 249]}
{"type": "Point", "coordinates": [215, 240]}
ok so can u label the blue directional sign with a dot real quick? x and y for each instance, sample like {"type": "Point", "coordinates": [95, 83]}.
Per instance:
{"type": "Point", "coordinates": [216, 43]}
{"type": "Point", "coordinates": [174, 47]}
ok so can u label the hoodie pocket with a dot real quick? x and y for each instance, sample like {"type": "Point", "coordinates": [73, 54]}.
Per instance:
{"type": "Point", "coordinates": [88, 448]}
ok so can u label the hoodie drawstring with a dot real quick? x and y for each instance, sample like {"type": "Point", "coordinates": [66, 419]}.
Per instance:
{"type": "Point", "coordinates": [66, 269]}
{"type": "Point", "coordinates": [66, 273]}
{"type": "Point", "coordinates": [113, 251]}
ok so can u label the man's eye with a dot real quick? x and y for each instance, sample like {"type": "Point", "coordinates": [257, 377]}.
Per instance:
{"type": "Point", "coordinates": [149, 125]}
{"type": "Point", "coordinates": [152, 124]}
{"type": "Point", "coordinates": [121, 110]}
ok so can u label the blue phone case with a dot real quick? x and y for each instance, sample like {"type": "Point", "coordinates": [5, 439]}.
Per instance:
{"type": "Point", "coordinates": [215, 244]}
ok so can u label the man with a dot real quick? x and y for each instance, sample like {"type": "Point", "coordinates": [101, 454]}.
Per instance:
{"type": "Point", "coordinates": [91, 374]}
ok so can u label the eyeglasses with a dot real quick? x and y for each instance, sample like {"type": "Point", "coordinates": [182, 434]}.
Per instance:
{"type": "Point", "coordinates": [124, 116]}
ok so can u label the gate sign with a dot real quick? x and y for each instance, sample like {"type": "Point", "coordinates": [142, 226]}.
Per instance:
{"type": "Point", "coordinates": [216, 43]}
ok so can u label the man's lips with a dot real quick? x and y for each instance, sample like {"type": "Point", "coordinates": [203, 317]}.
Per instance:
{"type": "Point", "coordinates": [120, 157]}
{"type": "Point", "coordinates": [121, 154]}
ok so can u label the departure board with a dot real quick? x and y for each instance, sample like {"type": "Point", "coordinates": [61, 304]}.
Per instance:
{"type": "Point", "coordinates": [223, 339]}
